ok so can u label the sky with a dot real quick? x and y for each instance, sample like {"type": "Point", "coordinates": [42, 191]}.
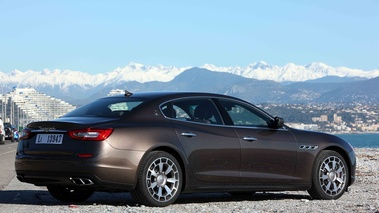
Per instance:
{"type": "Point", "coordinates": [99, 36]}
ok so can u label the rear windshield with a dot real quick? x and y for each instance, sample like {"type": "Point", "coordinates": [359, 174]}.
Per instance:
{"type": "Point", "coordinates": [107, 107]}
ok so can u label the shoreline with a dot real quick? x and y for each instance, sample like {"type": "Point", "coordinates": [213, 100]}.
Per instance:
{"type": "Point", "coordinates": [352, 133]}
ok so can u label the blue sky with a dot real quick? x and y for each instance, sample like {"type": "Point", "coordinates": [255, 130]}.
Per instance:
{"type": "Point", "coordinates": [99, 36]}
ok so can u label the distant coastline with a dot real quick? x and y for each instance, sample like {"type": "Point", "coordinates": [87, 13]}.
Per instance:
{"type": "Point", "coordinates": [361, 139]}
{"type": "Point", "coordinates": [347, 133]}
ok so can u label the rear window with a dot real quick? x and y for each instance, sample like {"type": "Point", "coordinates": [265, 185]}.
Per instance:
{"type": "Point", "coordinates": [107, 107]}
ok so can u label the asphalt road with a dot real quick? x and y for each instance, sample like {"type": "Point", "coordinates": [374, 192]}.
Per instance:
{"type": "Point", "coordinates": [7, 154]}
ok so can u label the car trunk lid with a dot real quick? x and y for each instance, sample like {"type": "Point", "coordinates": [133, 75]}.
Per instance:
{"type": "Point", "coordinates": [51, 138]}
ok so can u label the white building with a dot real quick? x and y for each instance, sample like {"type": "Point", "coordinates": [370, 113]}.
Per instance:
{"type": "Point", "coordinates": [25, 105]}
{"type": "Point", "coordinates": [312, 127]}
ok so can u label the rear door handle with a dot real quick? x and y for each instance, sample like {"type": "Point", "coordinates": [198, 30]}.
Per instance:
{"type": "Point", "coordinates": [188, 134]}
{"type": "Point", "coordinates": [250, 139]}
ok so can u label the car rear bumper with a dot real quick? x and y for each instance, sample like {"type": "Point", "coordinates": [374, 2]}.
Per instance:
{"type": "Point", "coordinates": [89, 181]}
{"type": "Point", "coordinates": [100, 173]}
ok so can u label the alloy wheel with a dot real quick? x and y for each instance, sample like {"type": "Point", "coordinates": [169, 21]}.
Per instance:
{"type": "Point", "coordinates": [162, 179]}
{"type": "Point", "coordinates": [332, 175]}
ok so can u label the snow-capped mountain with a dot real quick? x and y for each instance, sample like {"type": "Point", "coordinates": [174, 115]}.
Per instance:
{"type": "Point", "coordinates": [292, 72]}
{"type": "Point", "coordinates": [258, 82]}
{"type": "Point", "coordinates": [131, 72]}
{"type": "Point", "coordinates": [144, 73]}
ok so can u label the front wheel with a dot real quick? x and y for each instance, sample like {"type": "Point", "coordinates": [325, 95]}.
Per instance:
{"type": "Point", "coordinates": [330, 176]}
{"type": "Point", "coordinates": [68, 194]}
{"type": "Point", "coordinates": [159, 180]}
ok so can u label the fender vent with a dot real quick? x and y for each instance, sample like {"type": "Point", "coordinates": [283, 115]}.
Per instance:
{"type": "Point", "coordinates": [308, 147]}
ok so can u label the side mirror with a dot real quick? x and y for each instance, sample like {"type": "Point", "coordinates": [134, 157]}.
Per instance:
{"type": "Point", "coordinates": [277, 123]}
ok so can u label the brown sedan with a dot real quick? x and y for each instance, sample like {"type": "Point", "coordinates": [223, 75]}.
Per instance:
{"type": "Point", "coordinates": [160, 144]}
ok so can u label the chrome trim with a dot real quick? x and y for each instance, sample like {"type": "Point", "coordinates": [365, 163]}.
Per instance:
{"type": "Point", "coordinates": [249, 138]}
{"type": "Point", "coordinates": [188, 134]}
{"type": "Point", "coordinates": [81, 181]}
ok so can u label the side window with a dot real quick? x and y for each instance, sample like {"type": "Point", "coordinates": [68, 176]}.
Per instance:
{"type": "Point", "coordinates": [180, 113]}
{"type": "Point", "coordinates": [243, 115]}
{"type": "Point", "coordinates": [167, 111]}
{"type": "Point", "coordinates": [174, 111]}
{"type": "Point", "coordinates": [194, 109]}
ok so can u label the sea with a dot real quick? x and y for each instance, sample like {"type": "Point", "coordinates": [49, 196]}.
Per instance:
{"type": "Point", "coordinates": [361, 140]}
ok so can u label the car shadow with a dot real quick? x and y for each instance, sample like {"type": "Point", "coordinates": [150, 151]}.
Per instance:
{"type": "Point", "coordinates": [226, 197]}
{"type": "Point", "coordinates": [43, 197]}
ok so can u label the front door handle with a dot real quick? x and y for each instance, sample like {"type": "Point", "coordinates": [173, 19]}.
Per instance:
{"type": "Point", "coordinates": [250, 139]}
{"type": "Point", "coordinates": [188, 134]}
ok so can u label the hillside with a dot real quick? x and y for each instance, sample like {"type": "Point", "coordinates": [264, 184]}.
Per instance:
{"type": "Point", "coordinates": [257, 91]}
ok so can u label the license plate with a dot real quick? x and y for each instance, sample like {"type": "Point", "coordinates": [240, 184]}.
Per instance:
{"type": "Point", "coordinates": [49, 139]}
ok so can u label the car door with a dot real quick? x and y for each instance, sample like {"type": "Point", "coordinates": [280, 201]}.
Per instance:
{"type": "Point", "coordinates": [268, 155]}
{"type": "Point", "coordinates": [212, 149]}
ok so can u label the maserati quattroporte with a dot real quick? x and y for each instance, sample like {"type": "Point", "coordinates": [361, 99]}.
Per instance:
{"type": "Point", "coordinates": [157, 145]}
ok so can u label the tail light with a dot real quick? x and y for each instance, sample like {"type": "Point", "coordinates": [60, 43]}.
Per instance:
{"type": "Point", "coordinates": [90, 134]}
{"type": "Point", "coordinates": [25, 134]}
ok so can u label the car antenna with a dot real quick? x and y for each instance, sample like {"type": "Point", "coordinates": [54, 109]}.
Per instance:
{"type": "Point", "coordinates": [127, 93]}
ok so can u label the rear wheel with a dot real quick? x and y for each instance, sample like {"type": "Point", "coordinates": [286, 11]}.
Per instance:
{"type": "Point", "coordinates": [330, 176]}
{"type": "Point", "coordinates": [68, 194]}
{"type": "Point", "coordinates": [159, 180]}
{"type": "Point", "coordinates": [2, 139]}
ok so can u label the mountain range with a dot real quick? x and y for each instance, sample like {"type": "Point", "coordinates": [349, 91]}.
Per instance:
{"type": "Point", "coordinates": [258, 82]}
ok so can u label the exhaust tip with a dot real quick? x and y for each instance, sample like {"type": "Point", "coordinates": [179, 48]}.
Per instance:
{"type": "Point", "coordinates": [81, 181]}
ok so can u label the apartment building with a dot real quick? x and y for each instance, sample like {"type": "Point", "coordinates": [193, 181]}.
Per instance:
{"type": "Point", "coordinates": [25, 105]}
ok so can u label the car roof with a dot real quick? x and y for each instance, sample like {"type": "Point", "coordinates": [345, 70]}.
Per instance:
{"type": "Point", "coordinates": [169, 95]}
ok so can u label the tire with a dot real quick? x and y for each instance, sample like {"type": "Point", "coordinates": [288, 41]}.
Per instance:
{"type": "Point", "coordinates": [159, 180]}
{"type": "Point", "coordinates": [68, 194]}
{"type": "Point", "coordinates": [330, 176]}
{"type": "Point", "coordinates": [2, 139]}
